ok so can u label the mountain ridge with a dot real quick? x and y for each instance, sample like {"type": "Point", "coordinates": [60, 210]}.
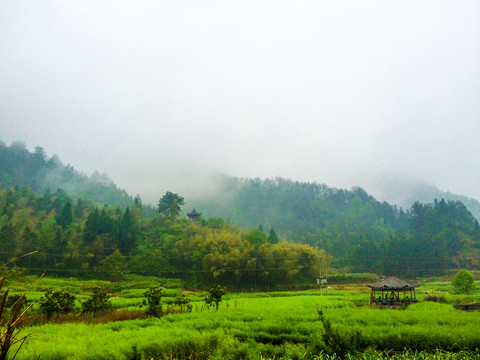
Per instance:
{"type": "Point", "coordinates": [20, 167]}
{"type": "Point", "coordinates": [362, 233]}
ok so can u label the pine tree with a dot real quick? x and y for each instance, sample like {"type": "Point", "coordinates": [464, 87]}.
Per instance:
{"type": "Point", "coordinates": [65, 217]}
{"type": "Point", "coordinates": [126, 233]}
{"type": "Point", "coordinates": [272, 236]}
{"type": "Point", "coordinates": [169, 205]}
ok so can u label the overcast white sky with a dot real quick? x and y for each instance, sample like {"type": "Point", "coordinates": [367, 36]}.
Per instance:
{"type": "Point", "coordinates": [159, 94]}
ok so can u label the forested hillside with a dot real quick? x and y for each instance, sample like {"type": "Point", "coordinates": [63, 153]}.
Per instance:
{"type": "Point", "coordinates": [77, 238]}
{"type": "Point", "coordinates": [360, 232]}
{"type": "Point", "coordinates": [86, 226]}
{"type": "Point", "coordinates": [404, 192]}
{"type": "Point", "coordinates": [311, 213]}
{"type": "Point", "coordinates": [20, 167]}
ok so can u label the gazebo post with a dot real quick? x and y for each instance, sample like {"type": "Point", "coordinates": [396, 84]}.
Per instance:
{"type": "Point", "coordinates": [391, 288]}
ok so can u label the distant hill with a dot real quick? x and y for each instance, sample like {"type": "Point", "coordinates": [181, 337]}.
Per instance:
{"type": "Point", "coordinates": [22, 168]}
{"type": "Point", "coordinates": [404, 192]}
{"type": "Point", "coordinates": [362, 233]}
{"type": "Point", "coordinates": [358, 230]}
{"type": "Point", "coordinates": [304, 212]}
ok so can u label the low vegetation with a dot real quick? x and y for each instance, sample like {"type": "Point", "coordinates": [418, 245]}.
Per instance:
{"type": "Point", "coordinates": [274, 325]}
{"type": "Point", "coordinates": [464, 281]}
{"type": "Point", "coordinates": [127, 281]}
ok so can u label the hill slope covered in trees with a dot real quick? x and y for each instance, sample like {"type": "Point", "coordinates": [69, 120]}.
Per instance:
{"type": "Point", "coordinates": [20, 167]}
{"type": "Point", "coordinates": [78, 238]}
{"type": "Point", "coordinates": [89, 229]}
{"type": "Point", "coordinates": [359, 231]}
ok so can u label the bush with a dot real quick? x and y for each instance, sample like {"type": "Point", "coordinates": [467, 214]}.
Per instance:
{"type": "Point", "coordinates": [57, 301]}
{"type": "Point", "coordinates": [14, 298]}
{"type": "Point", "coordinates": [215, 296]}
{"type": "Point", "coordinates": [97, 302]}
{"type": "Point", "coordinates": [154, 299]}
{"type": "Point", "coordinates": [439, 299]}
{"type": "Point", "coordinates": [464, 282]}
{"type": "Point", "coordinates": [183, 302]}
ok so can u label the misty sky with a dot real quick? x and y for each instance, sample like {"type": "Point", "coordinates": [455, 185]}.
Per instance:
{"type": "Point", "coordinates": [160, 94]}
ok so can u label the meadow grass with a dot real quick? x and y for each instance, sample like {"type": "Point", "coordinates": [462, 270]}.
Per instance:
{"type": "Point", "coordinates": [275, 325]}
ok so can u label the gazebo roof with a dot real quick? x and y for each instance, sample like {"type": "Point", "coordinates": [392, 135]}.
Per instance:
{"type": "Point", "coordinates": [392, 283]}
{"type": "Point", "coordinates": [194, 213]}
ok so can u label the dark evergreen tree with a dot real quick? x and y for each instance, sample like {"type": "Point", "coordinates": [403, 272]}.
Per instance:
{"type": "Point", "coordinates": [92, 225]}
{"type": "Point", "coordinates": [272, 236]}
{"type": "Point", "coordinates": [169, 205]}
{"type": "Point", "coordinates": [106, 225]}
{"type": "Point", "coordinates": [127, 233]}
{"type": "Point", "coordinates": [7, 243]}
{"type": "Point", "coordinates": [65, 217]}
{"type": "Point", "coordinates": [9, 204]}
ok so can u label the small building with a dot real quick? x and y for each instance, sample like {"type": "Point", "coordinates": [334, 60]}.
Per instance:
{"type": "Point", "coordinates": [392, 292]}
{"type": "Point", "coordinates": [194, 215]}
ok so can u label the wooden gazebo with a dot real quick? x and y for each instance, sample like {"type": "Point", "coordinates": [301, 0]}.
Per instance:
{"type": "Point", "coordinates": [194, 215]}
{"type": "Point", "coordinates": [392, 292]}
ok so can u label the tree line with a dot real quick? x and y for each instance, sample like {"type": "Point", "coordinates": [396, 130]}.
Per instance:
{"type": "Point", "coordinates": [362, 233]}
{"type": "Point", "coordinates": [94, 227]}
{"type": "Point", "coordinates": [35, 170]}
{"type": "Point", "coordinates": [79, 238]}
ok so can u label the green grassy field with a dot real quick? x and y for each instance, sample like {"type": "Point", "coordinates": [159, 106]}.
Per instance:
{"type": "Point", "coordinates": [276, 325]}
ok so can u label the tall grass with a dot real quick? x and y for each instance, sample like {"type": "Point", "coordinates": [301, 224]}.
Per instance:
{"type": "Point", "coordinates": [280, 325]}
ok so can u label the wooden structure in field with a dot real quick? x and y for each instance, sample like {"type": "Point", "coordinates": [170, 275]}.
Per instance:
{"type": "Point", "coordinates": [392, 292]}
{"type": "Point", "coordinates": [468, 307]}
{"type": "Point", "coordinates": [194, 215]}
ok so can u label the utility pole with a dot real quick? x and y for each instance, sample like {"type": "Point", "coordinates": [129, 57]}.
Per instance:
{"type": "Point", "coordinates": [326, 274]}
{"type": "Point", "coordinates": [323, 274]}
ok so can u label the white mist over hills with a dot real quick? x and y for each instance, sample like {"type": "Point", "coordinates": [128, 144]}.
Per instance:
{"type": "Point", "coordinates": [199, 185]}
{"type": "Point", "coordinates": [161, 95]}
{"type": "Point", "coordinates": [403, 192]}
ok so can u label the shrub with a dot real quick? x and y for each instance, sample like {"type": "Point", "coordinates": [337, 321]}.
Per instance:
{"type": "Point", "coordinates": [14, 298]}
{"type": "Point", "coordinates": [463, 282]}
{"type": "Point", "coordinates": [154, 299]}
{"type": "Point", "coordinates": [215, 296]}
{"type": "Point", "coordinates": [97, 302]}
{"type": "Point", "coordinates": [439, 299]}
{"type": "Point", "coordinates": [57, 301]}
{"type": "Point", "coordinates": [183, 301]}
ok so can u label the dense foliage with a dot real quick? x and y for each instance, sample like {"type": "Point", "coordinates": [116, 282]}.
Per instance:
{"type": "Point", "coordinates": [74, 235]}
{"type": "Point", "coordinates": [215, 295]}
{"type": "Point", "coordinates": [464, 281]}
{"type": "Point", "coordinates": [154, 300]}
{"type": "Point", "coordinates": [361, 233]}
{"type": "Point", "coordinates": [57, 301]}
{"type": "Point", "coordinates": [96, 302]}
{"type": "Point", "coordinates": [77, 238]}
{"type": "Point", "coordinates": [20, 167]}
